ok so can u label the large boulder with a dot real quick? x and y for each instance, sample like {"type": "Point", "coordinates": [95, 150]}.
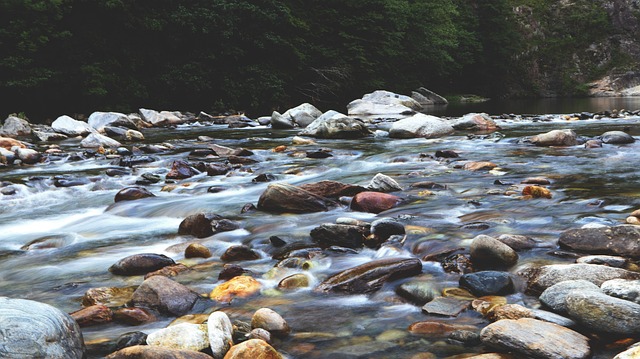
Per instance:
{"type": "Point", "coordinates": [555, 296]}
{"type": "Point", "coordinates": [555, 138]}
{"type": "Point", "coordinates": [426, 97]}
{"type": "Point", "coordinates": [533, 338]}
{"type": "Point", "coordinates": [302, 116]}
{"type": "Point", "coordinates": [333, 124]}
{"type": "Point", "coordinates": [14, 126]}
{"type": "Point", "coordinates": [420, 125]}
{"type": "Point", "coordinates": [162, 118]}
{"type": "Point", "coordinates": [370, 277]}
{"type": "Point", "coordinates": [383, 103]}
{"type": "Point", "coordinates": [36, 330]}
{"type": "Point", "coordinates": [98, 120]}
{"type": "Point", "coordinates": [70, 127]}
{"type": "Point", "coordinates": [286, 198]}
{"type": "Point", "coordinates": [619, 240]}
{"type": "Point", "coordinates": [476, 122]}
{"type": "Point", "coordinates": [164, 295]}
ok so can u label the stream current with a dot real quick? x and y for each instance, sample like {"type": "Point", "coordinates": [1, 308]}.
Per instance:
{"type": "Point", "coordinates": [84, 231]}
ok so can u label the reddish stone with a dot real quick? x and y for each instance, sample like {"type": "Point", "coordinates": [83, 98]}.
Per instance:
{"type": "Point", "coordinates": [93, 315]}
{"type": "Point", "coordinates": [133, 316]}
{"type": "Point", "coordinates": [374, 202]}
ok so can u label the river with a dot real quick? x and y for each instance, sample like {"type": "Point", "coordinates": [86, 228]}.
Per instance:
{"type": "Point", "coordinates": [83, 231]}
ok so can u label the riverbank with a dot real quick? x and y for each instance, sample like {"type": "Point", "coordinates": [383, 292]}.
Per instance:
{"type": "Point", "coordinates": [437, 238]}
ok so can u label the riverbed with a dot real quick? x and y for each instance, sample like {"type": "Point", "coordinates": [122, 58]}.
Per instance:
{"type": "Point", "coordinates": [58, 242]}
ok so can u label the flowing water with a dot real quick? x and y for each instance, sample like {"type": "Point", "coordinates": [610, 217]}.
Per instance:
{"type": "Point", "coordinates": [74, 234]}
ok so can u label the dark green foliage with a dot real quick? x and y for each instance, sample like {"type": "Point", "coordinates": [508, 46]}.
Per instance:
{"type": "Point", "coordinates": [70, 56]}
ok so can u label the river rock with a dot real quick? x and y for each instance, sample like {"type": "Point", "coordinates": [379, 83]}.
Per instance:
{"type": "Point", "coordinates": [418, 292]}
{"type": "Point", "coordinates": [14, 126]}
{"type": "Point", "coordinates": [333, 124]}
{"type": "Point", "coordinates": [533, 338]}
{"type": "Point", "coordinates": [27, 155]}
{"type": "Point", "coordinates": [382, 102]}
{"type": "Point", "coordinates": [70, 127]}
{"type": "Point", "coordinates": [133, 316]}
{"type": "Point", "coordinates": [294, 281]}
{"type": "Point", "coordinates": [374, 349]}
{"type": "Point", "coordinates": [155, 352]}
{"type": "Point", "coordinates": [130, 339]}
{"type": "Point", "coordinates": [487, 283]}
{"type": "Point", "coordinates": [280, 121]}
{"type": "Point", "coordinates": [632, 353]}
{"type": "Point", "coordinates": [370, 277]}
{"type": "Point", "coordinates": [332, 189]}
{"type": "Point", "coordinates": [140, 264]}
{"type": "Point", "coordinates": [382, 229]}
{"type": "Point", "coordinates": [220, 332]}
{"type": "Point", "coordinates": [621, 240]}
{"type": "Point", "coordinates": [623, 289]}
{"type": "Point", "coordinates": [555, 296]}
{"type": "Point", "coordinates": [8, 143]}
{"type": "Point", "coordinates": [132, 193]}
{"type": "Point", "coordinates": [301, 115]}
{"type": "Point", "coordinates": [541, 278]}
{"type": "Point", "coordinates": [252, 348]}
{"type": "Point", "coordinates": [98, 120]}
{"type": "Point", "coordinates": [603, 313]}
{"type": "Point", "coordinates": [425, 96]}
{"type": "Point", "coordinates": [420, 125]}
{"type": "Point", "coordinates": [36, 330]}
{"type": "Point", "coordinates": [181, 170]}
{"type": "Point", "coordinates": [95, 140]}
{"type": "Point", "coordinates": [92, 315]}
{"type": "Point", "coordinates": [611, 261]}
{"type": "Point", "coordinates": [374, 202]}
{"type": "Point", "coordinates": [162, 118]}
{"type": "Point", "coordinates": [479, 166]}
{"type": "Point", "coordinates": [437, 329]}
{"type": "Point", "coordinates": [46, 134]}
{"type": "Point", "coordinates": [283, 197]}
{"type": "Point", "coordinates": [518, 242]}
{"type": "Point", "coordinates": [383, 183]}
{"type": "Point", "coordinates": [475, 122]}
{"type": "Point", "coordinates": [168, 271]}
{"type": "Point", "coordinates": [198, 225]}
{"type": "Point", "coordinates": [489, 252]}
{"type": "Point", "coordinates": [556, 138]}
{"type": "Point", "coordinates": [617, 138]}
{"type": "Point", "coordinates": [328, 234]}
{"type": "Point", "coordinates": [446, 306]}
{"type": "Point", "coordinates": [109, 296]}
{"type": "Point", "coordinates": [197, 250]}
{"type": "Point", "coordinates": [509, 311]}
{"type": "Point", "coordinates": [164, 295]}
{"type": "Point", "coordinates": [271, 321]}
{"type": "Point", "coordinates": [236, 287]}
{"type": "Point", "coordinates": [239, 253]}
{"type": "Point", "coordinates": [185, 336]}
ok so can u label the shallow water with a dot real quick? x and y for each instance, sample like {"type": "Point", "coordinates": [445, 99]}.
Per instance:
{"type": "Point", "coordinates": [86, 232]}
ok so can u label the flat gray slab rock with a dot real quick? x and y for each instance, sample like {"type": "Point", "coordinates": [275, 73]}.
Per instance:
{"type": "Point", "coordinates": [541, 278]}
{"type": "Point", "coordinates": [619, 240]}
{"type": "Point", "coordinates": [603, 313]}
{"type": "Point", "coordinates": [533, 338]}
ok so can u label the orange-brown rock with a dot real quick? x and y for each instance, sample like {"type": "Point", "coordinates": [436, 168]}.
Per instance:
{"type": "Point", "coordinates": [93, 315]}
{"type": "Point", "coordinates": [254, 349]}
{"type": "Point", "coordinates": [536, 192]}
{"type": "Point", "coordinates": [437, 329]}
{"type": "Point", "coordinates": [374, 202]}
{"type": "Point", "coordinates": [236, 287]}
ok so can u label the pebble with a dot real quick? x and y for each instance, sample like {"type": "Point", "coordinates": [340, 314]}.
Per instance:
{"type": "Point", "coordinates": [130, 339]}
{"type": "Point", "coordinates": [489, 252]}
{"type": "Point", "coordinates": [133, 316]}
{"type": "Point", "coordinates": [197, 250]}
{"type": "Point", "coordinates": [299, 280]}
{"type": "Point", "coordinates": [446, 306]}
{"type": "Point", "coordinates": [437, 329]}
{"type": "Point", "coordinates": [239, 253]}
{"type": "Point", "coordinates": [132, 193]}
{"type": "Point", "coordinates": [109, 296]}
{"type": "Point", "coordinates": [418, 292]}
{"type": "Point", "coordinates": [271, 321]}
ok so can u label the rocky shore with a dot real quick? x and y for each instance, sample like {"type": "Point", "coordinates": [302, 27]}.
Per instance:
{"type": "Point", "coordinates": [493, 298]}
